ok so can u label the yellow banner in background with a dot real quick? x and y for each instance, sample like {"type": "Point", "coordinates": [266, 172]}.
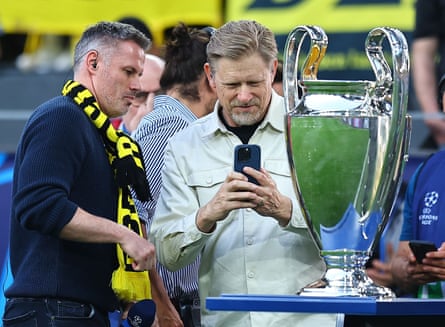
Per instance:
{"type": "Point", "coordinates": [342, 20]}
{"type": "Point", "coordinates": [71, 17]}
{"type": "Point", "coordinates": [346, 23]}
{"type": "Point", "coordinates": [332, 15]}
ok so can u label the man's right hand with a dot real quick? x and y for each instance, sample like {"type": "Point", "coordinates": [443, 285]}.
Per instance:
{"type": "Point", "coordinates": [433, 265]}
{"type": "Point", "coordinates": [140, 250]}
{"type": "Point", "coordinates": [235, 193]}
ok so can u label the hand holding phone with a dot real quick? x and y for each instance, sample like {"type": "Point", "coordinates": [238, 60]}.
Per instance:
{"type": "Point", "coordinates": [247, 155]}
{"type": "Point", "coordinates": [420, 248]}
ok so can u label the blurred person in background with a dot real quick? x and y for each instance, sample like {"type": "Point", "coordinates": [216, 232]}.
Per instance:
{"type": "Point", "coordinates": [423, 219]}
{"type": "Point", "coordinates": [142, 26]}
{"type": "Point", "coordinates": [150, 80]}
{"type": "Point", "coordinates": [278, 79]}
{"type": "Point", "coordinates": [143, 102]}
{"type": "Point", "coordinates": [186, 95]}
{"type": "Point", "coordinates": [428, 65]}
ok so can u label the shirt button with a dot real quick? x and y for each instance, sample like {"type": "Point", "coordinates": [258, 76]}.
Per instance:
{"type": "Point", "coordinates": [209, 180]}
{"type": "Point", "coordinates": [250, 274]}
{"type": "Point", "coordinates": [249, 209]}
{"type": "Point", "coordinates": [249, 241]}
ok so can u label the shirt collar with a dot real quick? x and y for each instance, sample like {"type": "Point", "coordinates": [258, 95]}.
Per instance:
{"type": "Point", "coordinates": [162, 100]}
{"type": "Point", "coordinates": [274, 117]}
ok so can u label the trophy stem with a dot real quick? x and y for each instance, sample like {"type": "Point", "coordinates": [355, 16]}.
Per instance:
{"type": "Point", "coordinates": [346, 276]}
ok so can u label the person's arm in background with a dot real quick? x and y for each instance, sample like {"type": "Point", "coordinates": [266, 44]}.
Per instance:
{"type": "Point", "coordinates": [424, 52]}
{"type": "Point", "coordinates": [380, 271]}
{"type": "Point", "coordinates": [400, 260]}
{"type": "Point", "coordinates": [166, 313]}
{"type": "Point", "coordinates": [425, 55]}
{"type": "Point", "coordinates": [407, 274]}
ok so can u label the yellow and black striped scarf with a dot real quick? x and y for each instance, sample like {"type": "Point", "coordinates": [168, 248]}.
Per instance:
{"type": "Point", "coordinates": [126, 160]}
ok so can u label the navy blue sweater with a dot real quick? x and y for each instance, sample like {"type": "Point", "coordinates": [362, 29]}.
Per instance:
{"type": "Point", "coordinates": [61, 165]}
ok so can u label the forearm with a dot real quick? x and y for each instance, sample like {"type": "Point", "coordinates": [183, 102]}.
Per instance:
{"type": "Point", "coordinates": [85, 227]}
{"type": "Point", "coordinates": [159, 293]}
{"type": "Point", "coordinates": [424, 74]}
{"type": "Point", "coordinates": [165, 310]}
{"type": "Point", "coordinates": [178, 240]}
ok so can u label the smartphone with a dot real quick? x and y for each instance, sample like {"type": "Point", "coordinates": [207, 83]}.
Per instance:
{"type": "Point", "coordinates": [420, 248]}
{"type": "Point", "coordinates": [247, 155]}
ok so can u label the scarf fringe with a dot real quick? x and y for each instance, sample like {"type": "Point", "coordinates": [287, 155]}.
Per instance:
{"type": "Point", "coordinates": [131, 286]}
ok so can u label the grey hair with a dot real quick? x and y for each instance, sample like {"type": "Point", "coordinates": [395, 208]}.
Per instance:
{"type": "Point", "coordinates": [237, 39]}
{"type": "Point", "coordinates": [106, 35]}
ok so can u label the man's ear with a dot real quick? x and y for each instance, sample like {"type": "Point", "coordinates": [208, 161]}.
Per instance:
{"type": "Point", "coordinates": [91, 60]}
{"type": "Point", "coordinates": [274, 69]}
{"type": "Point", "coordinates": [209, 74]}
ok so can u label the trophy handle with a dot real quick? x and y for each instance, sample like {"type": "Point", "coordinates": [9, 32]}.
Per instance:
{"type": "Point", "coordinates": [391, 86]}
{"type": "Point", "coordinates": [319, 43]}
{"type": "Point", "coordinates": [398, 81]}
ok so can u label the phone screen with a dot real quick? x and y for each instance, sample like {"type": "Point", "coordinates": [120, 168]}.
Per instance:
{"type": "Point", "coordinates": [247, 155]}
{"type": "Point", "coordinates": [421, 248]}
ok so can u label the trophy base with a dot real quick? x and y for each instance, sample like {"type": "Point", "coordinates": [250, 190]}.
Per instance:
{"type": "Point", "coordinates": [346, 276]}
{"type": "Point", "coordinates": [370, 290]}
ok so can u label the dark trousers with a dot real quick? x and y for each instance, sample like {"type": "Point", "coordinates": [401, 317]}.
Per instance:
{"type": "Point", "coordinates": [189, 311]}
{"type": "Point", "coordinates": [44, 312]}
{"type": "Point", "coordinates": [392, 321]}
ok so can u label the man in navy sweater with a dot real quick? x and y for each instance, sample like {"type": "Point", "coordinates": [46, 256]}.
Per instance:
{"type": "Point", "coordinates": [64, 226]}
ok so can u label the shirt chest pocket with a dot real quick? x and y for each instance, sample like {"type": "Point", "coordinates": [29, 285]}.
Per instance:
{"type": "Point", "coordinates": [207, 182]}
{"type": "Point", "coordinates": [280, 172]}
{"type": "Point", "coordinates": [277, 167]}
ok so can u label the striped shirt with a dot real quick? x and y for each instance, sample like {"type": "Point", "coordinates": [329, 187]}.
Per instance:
{"type": "Point", "coordinates": [167, 118]}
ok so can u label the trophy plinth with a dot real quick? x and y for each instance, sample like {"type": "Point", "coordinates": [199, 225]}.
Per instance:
{"type": "Point", "coordinates": [347, 145]}
{"type": "Point", "coordinates": [346, 276]}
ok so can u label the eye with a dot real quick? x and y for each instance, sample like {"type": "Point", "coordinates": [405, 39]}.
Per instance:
{"type": "Point", "coordinates": [254, 84]}
{"type": "Point", "coordinates": [129, 71]}
{"type": "Point", "coordinates": [231, 86]}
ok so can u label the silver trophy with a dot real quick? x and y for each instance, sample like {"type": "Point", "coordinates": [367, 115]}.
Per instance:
{"type": "Point", "coordinates": [347, 145]}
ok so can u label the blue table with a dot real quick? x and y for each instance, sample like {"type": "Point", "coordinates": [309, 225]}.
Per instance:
{"type": "Point", "coordinates": [358, 311]}
{"type": "Point", "coordinates": [347, 305]}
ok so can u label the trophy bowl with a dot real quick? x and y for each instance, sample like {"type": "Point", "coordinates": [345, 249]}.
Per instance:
{"type": "Point", "coordinates": [347, 146]}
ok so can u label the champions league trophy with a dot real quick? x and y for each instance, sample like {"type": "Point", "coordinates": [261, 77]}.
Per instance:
{"type": "Point", "coordinates": [347, 146]}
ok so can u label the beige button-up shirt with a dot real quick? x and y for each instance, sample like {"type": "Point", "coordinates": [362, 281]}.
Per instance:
{"type": "Point", "coordinates": [246, 253]}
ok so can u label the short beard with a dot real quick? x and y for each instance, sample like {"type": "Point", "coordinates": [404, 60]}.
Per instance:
{"type": "Point", "coordinates": [246, 119]}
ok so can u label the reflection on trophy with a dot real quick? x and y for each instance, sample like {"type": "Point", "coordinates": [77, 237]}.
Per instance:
{"type": "Point", "coordinates": [347, 145]}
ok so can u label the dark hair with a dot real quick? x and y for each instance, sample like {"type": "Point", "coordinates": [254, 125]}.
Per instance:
{"type": "Point", "coordinates": [138, 24]}
{"type": "Point", "coordinates": [185, 56]}
{"type": "Point", "coordinates": [104, 36]}
{"type": "Point", "coordinates": [279, 75]}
